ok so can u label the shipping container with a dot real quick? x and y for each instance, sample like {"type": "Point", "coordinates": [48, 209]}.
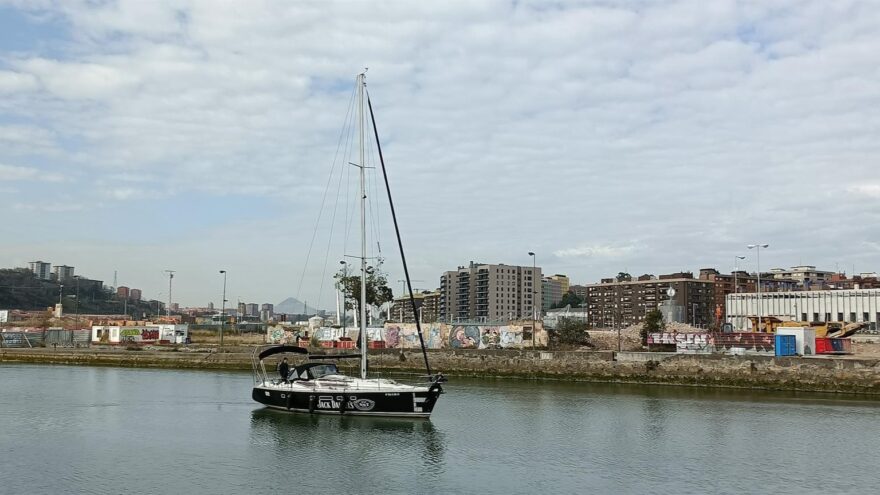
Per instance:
{"type": "Point", "coordinates": [833, 346]}
{"type": "Point", "coordinates": [786, 345]}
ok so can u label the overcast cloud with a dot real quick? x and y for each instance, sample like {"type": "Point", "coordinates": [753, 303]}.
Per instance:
{"type": "Point", "coordinates": [605, 136]}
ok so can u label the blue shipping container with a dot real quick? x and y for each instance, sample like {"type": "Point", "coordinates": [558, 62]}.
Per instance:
{"type": "Point", "coordinates": [786, 345]}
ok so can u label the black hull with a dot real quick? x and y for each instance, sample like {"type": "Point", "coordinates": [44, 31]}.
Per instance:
{"type": "Point", "coordinates": [417, 404]}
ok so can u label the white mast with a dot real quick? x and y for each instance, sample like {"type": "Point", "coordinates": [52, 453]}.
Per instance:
{"type": "Point", "coordinates": [361, 164]}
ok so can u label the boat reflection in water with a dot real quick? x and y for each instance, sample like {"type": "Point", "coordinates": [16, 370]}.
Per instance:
{"type": "Point", "coordinates": [377, 438]}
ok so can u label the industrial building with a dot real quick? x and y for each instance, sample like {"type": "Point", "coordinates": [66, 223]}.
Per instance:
{"type": "Point", "coordinates": [845, 306]}
{"type": "Point", "coordinates": [487, 292]}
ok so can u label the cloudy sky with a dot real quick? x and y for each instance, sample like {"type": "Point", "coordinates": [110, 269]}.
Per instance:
{"type": "Point", "coordinates": [645, 136]}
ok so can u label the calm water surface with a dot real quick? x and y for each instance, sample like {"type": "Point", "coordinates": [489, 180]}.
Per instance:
{"type": "Point", "coordinates": [111, 430]}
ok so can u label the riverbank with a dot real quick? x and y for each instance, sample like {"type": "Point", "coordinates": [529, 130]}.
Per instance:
{"type": "Point", "coordinates": [817, 374]}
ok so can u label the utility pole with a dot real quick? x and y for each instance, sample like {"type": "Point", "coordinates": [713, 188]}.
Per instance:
{"type": "Point", "coordinates": [757, 248]}
{"type": "Point", "coordinates": [170, 278]}
{"type": "Point", "coordinates": [534, 299]}
{"type": "Point", "coordinates": [77, 301]}
{"type": "Point", "coordinates": [223, 308]}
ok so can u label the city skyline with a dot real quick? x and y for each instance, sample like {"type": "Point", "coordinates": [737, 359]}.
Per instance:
{"type": "Point", "coordinates": [647, 138]}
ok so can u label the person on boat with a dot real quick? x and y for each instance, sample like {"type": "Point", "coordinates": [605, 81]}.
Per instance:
{"type": "Point", "coordinates": [283, 369]}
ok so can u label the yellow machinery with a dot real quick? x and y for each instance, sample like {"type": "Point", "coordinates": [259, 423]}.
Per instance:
{"type": "Point", "coordinates": [831, 329]}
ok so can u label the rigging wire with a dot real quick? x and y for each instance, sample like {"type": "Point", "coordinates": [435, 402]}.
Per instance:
{"type": "Point", "coordinates": [373, 203]}
{"type": "Point", "coordinates": [329, 240]}
{"type": "Point", "coordinates": [326, 190]}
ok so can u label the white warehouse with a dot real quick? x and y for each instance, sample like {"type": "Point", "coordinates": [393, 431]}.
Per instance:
{"type": "Point", "coordinates": [848, 306]}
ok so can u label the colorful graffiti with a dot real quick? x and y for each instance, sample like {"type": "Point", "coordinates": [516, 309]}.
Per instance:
{"type": "Point", "coordinates": [510, 337]}
{"type": "Point", "coordinates": [464, 337]}
{"type": "Point", "coordinates": [715, 342]}
{"type": "Point", "coordinates": [435, 335]}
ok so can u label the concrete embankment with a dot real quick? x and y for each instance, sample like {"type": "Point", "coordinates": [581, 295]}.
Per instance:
{"type": "Point", "coordinates": [821, 374]}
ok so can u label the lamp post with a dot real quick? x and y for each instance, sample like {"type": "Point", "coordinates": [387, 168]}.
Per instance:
{"type": "Point", "coordinates": [223, 308]}
{"type": "Point", "coordinates": [534, 298]}
{"type": "Point", "coordinates": [757, 248]}
{"type": "Point", "coordinates": [736, 269]}
{"type": "Point", "coordinates": [735, 283]}
{"type": "Point", "coordinates": [170, 278]}
{"type": "Point", "coordinates": [76, 277]}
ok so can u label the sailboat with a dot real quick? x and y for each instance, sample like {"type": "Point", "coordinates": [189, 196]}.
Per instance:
{"type": "Point", "coordinates": [318, 386]}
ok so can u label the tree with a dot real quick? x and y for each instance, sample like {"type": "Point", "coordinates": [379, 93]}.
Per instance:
{"type": "Point", "coordinates": [378, 292]}
{"type": "Point", "coordinates": [571, 331]}
{"type": "Point", "coordinates": [624, 277]}
{"type": "Point", "coordinates": [569, 298]}
{"type": "Point", "coordinates": [653, 324]}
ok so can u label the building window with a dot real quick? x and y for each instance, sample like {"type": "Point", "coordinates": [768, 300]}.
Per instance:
{"type": "Point", "coordinates": [839, 316]}
{"type": "Point", "coordinates": [852, 317]}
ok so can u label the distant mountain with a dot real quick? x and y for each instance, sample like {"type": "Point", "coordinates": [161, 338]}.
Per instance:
{"type": "Point", "coordinates": [294, 306]}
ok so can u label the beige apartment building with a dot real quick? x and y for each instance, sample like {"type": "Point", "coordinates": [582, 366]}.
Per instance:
{"type": "Point", "coordinates": [487, 292]}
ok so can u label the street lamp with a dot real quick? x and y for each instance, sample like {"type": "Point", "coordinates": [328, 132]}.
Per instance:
{"type": "Point", "coordinates": [223, 308]}
{"type": "Point", "coordinates": [736, 269]}
{"type": "Point", "coordinates": [757, 248]}
{"type": "Point", "coordinates": [77, 301]}
{"type": "Point", "coordinates": [534, 298]}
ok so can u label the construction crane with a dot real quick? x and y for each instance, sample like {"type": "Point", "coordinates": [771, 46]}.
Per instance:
{"type": "Point", "coordinates": [403, 292]}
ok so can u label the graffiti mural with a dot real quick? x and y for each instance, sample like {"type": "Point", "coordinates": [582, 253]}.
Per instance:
{"type": "Point", "coordinates": [464, 337]}
{"type": "Point", "coordinates": [432, 337]}
{"type": "Point", "coordinates": [392, 337]}
{"type": "Point", "coordinates": [490, 338]}
{"type": "Point", "coordinates": [510, 337]}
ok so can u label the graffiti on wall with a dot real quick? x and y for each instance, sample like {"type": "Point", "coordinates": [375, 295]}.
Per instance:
{"type": "Point", "coordinates": [435, 335]}
{"type": "Point", "coordinates": [464, 337]}
{"type": "Point", "coordinates": [715, 342]}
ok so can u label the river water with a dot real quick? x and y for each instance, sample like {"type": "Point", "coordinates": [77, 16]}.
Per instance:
{"type": "Point", "coordinates": [112, 430]}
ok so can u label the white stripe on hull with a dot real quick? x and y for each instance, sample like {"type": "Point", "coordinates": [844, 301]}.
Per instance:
{"type": "Point", "coordinates": [355, 412]}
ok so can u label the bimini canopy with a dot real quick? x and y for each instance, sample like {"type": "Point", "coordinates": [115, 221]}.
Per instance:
{"type": "Point", "coordinates": [281, 349]}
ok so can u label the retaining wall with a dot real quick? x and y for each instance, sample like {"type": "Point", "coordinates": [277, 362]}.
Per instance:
{"type": "Point", "coordinates": [824, 374]}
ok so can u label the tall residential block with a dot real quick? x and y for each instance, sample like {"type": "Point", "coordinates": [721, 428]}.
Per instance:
{"type": "Point", "coordinates": [63, 273]}
{"type": "Point", "coordinates": [553, 288]}
{"type": "Point", "coordinates": [252, 309]}
{"type": "Point", "coordinates": [41, 269]}
{"type": "Point", "coordinates": [486, 292]}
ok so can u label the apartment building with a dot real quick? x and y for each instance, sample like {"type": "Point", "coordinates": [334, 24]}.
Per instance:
{"type": "Point", "coordinates": [427, 306]}
{"type": "Point", "coordinates": [41, 269]}
{"type": "Point", "coordinates": [806, 276]}
{"type": "Point", "coordinates": [553, 288]}
{"type": "Point", "coordinates": [623, 302]}
{"type": "Point", "coordinates": [63, 273]}
{"type": "Point", "coordinates": [490, 292]}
